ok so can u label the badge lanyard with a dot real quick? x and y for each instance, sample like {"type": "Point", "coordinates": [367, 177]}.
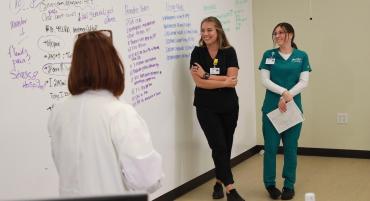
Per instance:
{"type": "Point", "coordinates": [271, 60]}
{"type": "Point", "coordinates": [214, 70]}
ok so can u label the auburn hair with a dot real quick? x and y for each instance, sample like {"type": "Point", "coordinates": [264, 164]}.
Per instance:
{"type": "Point", "coordinates": [95, 65]}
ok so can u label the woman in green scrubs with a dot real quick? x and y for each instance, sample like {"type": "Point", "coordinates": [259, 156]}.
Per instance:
{"type": "Point", "coordinates": [284, 73]}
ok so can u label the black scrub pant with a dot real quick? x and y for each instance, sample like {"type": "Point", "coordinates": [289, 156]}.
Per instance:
{"type": "Point", "coordinates": [219, 130]}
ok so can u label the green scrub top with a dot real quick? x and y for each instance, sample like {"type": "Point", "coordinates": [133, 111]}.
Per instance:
{"type": "Point", "coordinates": [284, 73]}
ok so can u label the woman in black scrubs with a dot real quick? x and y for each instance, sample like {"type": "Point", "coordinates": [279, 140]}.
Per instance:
{"type": "Point", "coordinates": [214, 68]}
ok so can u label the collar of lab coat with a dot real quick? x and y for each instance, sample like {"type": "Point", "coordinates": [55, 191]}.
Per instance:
{"type": "Point", "coordinates": [100, 92]}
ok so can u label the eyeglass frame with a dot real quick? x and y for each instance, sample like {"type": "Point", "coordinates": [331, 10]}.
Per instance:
{"type": "Point", "coordinates": [279, 33]}
{"type": "Point", "coordinates": [103, 31]}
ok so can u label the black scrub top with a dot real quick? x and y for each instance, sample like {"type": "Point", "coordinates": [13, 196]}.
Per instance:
{"type": "Point", "coordinates": [221, 99]}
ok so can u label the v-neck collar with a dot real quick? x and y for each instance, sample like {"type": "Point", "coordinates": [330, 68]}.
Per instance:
{"type": "Point", "coordinates": [282, 58]}
{"type": "Point", "coordinates": [209, 55]}
{"type": "Point", "coordinates": [285, 56]}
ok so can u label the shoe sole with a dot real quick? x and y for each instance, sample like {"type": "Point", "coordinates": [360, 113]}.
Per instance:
{"type": "Point", "coordinates": [218, 197]}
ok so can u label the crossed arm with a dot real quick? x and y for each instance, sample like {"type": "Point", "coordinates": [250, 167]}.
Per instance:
{"type": "Point", "coordinates": [214, 81]}
{"type": "Point", "coordinates": [286, 95]}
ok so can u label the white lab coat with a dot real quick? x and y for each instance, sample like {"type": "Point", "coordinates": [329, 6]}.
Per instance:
{"type": "Point", "coordinates": [102, 146]}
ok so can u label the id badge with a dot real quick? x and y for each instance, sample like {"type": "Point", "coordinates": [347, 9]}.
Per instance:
{"type": "Point", "coordinates": [214, 71]}
{"type": "Point", "coordinates": [270, 61]}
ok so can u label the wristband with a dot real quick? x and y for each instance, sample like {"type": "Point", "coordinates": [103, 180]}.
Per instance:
{"type": "Point", "coordinates": [206, 76]}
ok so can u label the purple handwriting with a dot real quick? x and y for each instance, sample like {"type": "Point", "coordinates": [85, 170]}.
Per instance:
{"type": "Point", "coordinates": [29, 78]}
{"type": "Point", "coordinates": [17, 23]}
{"type": "Point", "coordinates": [33, 84]}
{"type": "Point", "coordinates": [18, 56]}
{"type": "Point", "coordinates": [109, 19]}
{"type": "Point", "coordinates": [24, 75]}
{"type": "Point", "coordinates": [143, 47]}
{"type": "Point", "coordinates": [137, 99]}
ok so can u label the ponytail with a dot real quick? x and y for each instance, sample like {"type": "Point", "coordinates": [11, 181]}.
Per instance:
{"type": "Point", "coordinates": [294, 45]}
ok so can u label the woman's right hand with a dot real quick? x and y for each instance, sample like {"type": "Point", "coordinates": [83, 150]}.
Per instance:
{"type": "Point", "coordinates": [287, 96]}
{"type": "Point", "coordinates": [231, 81]}
{"type": "Point", "coordinates": [198, 70]}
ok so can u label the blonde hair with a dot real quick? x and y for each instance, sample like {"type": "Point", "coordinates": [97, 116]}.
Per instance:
{"type": "Point", "coordinates": [221, 36]}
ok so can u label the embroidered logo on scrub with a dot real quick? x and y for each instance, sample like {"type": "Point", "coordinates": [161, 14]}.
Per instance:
{"type": "Point", "coordinates": [297, 60]}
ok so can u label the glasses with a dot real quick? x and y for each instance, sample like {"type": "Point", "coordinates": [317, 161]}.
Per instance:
{"type": "Point", "coordinates": [105, 32]}
{"type": "Point", "coordinates": [279, 33]}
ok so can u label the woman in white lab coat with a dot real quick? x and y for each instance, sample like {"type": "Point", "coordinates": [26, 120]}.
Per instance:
{"type": "Point", "coordinates": [100, 145]}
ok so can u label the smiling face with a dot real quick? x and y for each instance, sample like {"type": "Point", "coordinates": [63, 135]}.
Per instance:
{"type": "Point", "coordinates": [281, 37]}
{"type": "Point", "coordinates": [209, 33]}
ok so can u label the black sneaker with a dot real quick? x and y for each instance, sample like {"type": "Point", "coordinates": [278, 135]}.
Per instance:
{"type": "Point", "coordinates": [218, 192]}
{"type": "Point", "coordinates": [233, 195]}
{"type": "Point", "coordinates": [287, 194]}
{"type": "Point", "coordinates": [273, 192]}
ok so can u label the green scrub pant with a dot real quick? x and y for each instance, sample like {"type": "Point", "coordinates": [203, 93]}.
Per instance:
{"type": "Point", "coordinates": [272, 141]}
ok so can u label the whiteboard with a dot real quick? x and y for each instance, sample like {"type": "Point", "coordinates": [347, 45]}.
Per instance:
{"type": "Point", "coordinates": [154, 38]}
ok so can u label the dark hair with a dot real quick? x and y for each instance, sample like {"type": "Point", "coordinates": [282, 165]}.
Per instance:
{"type": "Point", "coordinates": [288, 28]}
{"type": "Point", "coordinates": [221, 36]}
{"type": "Point", "coordinates": [95, 65]}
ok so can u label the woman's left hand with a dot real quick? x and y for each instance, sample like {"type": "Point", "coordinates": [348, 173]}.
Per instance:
{"type": "Point", "coordinates": [282, 105]}
{"type": "Point", "coordinates": [198, 70]}
{"type": "Point", "coordinates": [287, 96]}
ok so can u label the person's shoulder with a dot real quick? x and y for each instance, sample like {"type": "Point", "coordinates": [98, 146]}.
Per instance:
{"type": "Point", "coordinates": [229, 50]}
{"type": "Point", "coordinates": [127, 114]}
{"type": "Point", "coordinates": [124, 108]}
{"type": "Point", "coordinates": [197, 49]}
{"type": "Point", "coordinates": [300, 52]}
{"type": "Point", "coordinates": [270, 52]}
